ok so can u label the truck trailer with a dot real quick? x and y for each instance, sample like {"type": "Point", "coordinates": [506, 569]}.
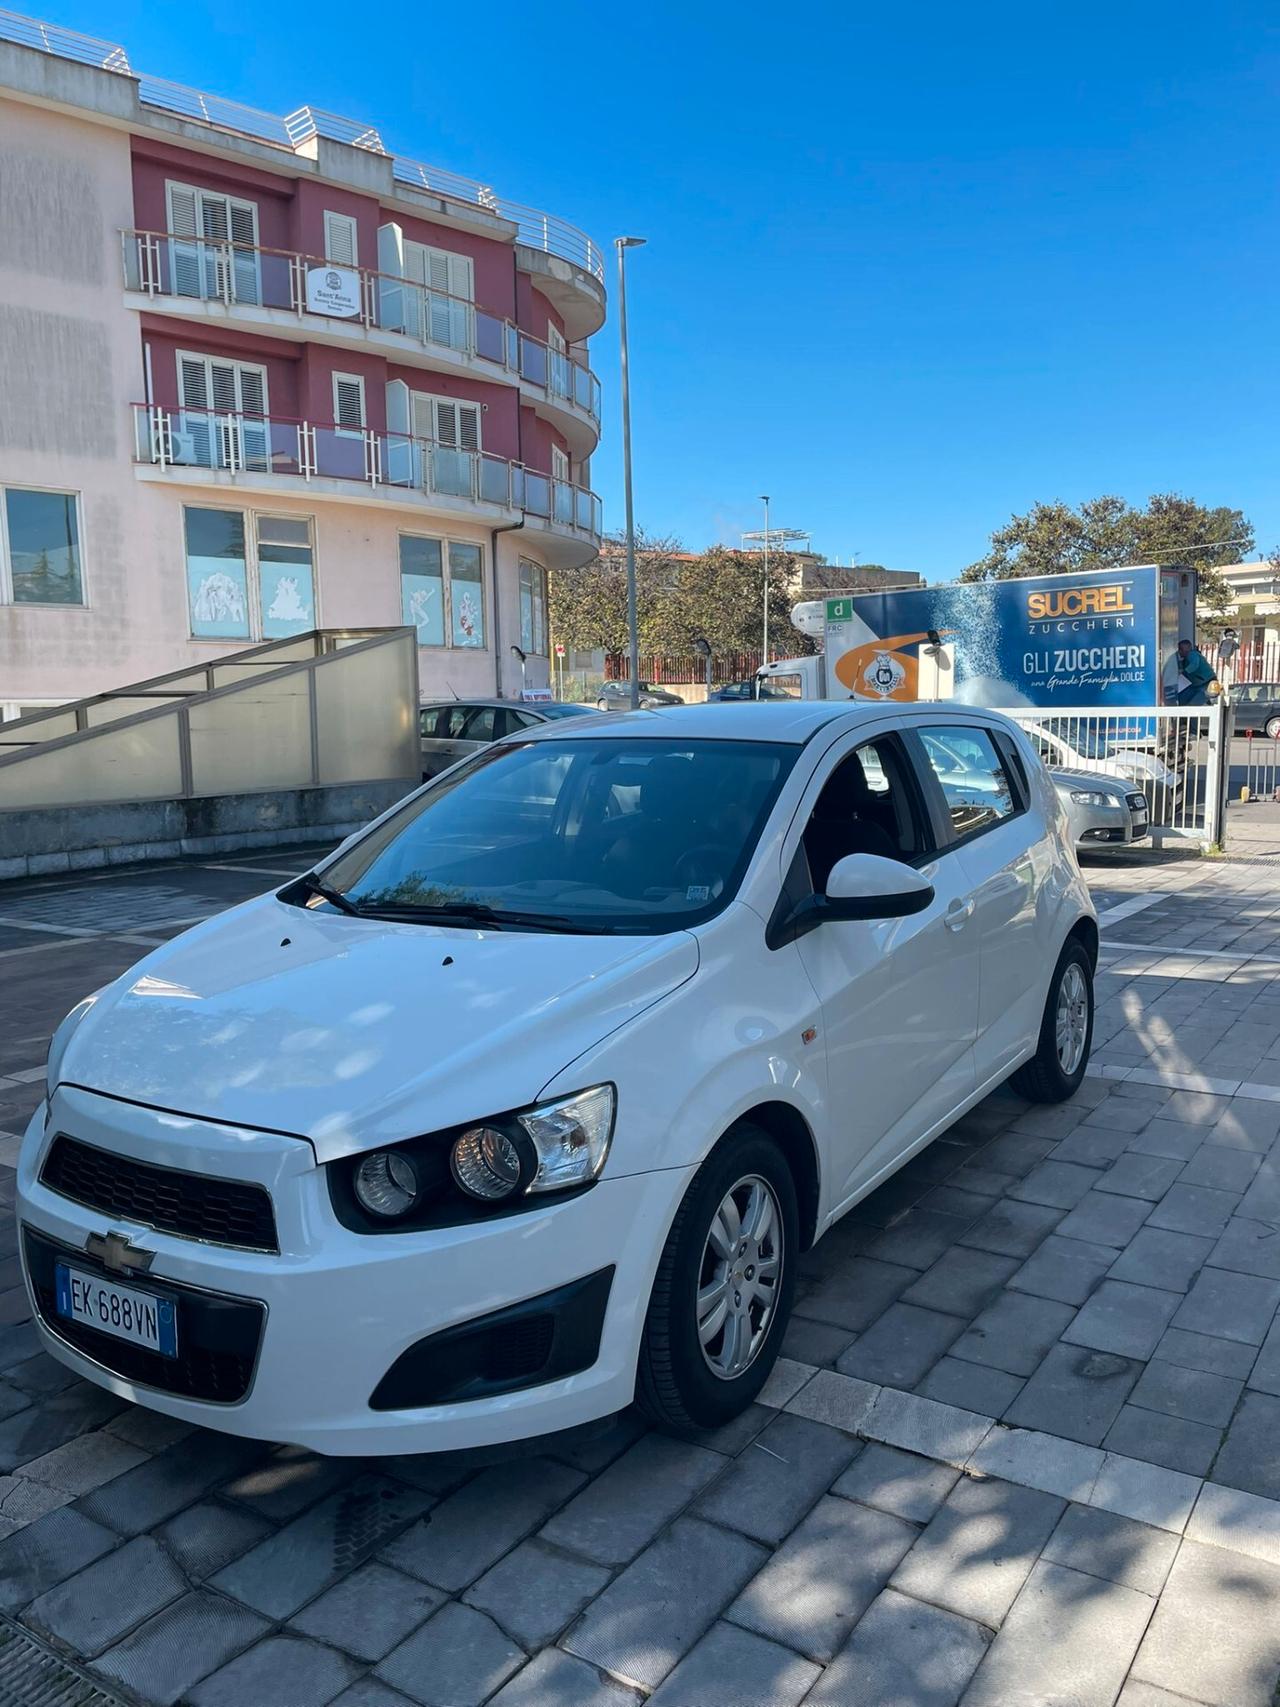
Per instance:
{"type": "Point", "coordinates": [1099, 639]}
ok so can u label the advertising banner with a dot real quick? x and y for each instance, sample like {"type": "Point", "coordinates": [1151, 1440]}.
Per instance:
{"type": "Point", "coordinates": [1077, 640]}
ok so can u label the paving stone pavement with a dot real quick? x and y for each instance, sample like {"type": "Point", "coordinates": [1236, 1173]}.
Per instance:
{"type": "Point", "coordinates": [1023, 1448]}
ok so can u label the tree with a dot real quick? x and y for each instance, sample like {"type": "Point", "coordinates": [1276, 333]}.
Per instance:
{"type": "Point", "coordinates": [1107, 532]}
{"type": "Point", "coordinates": [717, 595]}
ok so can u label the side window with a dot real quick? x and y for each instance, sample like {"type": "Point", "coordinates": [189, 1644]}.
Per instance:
{"type": "Point", "coordinates": [868, 804]}
{"type": "Point", "coordinates": [509, 722]}
{"type": "Point", "coordinates": [482, 724]}
{"type": "Point", "coordinates": [975, 784]}
{"type": "Point", "coordinates": [453, 725]}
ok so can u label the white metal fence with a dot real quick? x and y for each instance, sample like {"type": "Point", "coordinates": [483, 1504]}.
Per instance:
{"type": "Point", "coordinates": [1177, 756]}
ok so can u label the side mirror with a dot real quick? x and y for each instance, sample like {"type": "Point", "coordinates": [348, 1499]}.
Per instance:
{"type": "Point", "coordinates": [860, 887]}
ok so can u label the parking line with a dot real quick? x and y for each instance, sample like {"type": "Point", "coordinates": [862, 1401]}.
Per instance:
{"type": "Point", "coordinates": [1126, 909]}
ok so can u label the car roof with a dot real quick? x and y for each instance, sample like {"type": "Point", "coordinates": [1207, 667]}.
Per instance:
{"type": "Point", "coordinates": [790, 720]}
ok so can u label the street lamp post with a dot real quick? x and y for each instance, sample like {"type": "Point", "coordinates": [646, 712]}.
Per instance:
{"type": "Point", "coordinates": [633, 632]}
{"type": "Point", "coordinates": [764, 499]}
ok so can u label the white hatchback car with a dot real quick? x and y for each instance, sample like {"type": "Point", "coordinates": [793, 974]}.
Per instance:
{"type": "Point", "coordinates": [528, 1100]}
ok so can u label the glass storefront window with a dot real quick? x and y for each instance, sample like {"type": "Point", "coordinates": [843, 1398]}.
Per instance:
{"type": "Point", "coordinates": [466, 594]}
{"type": "Point", "coordinates": [217, 574]}
{"type": "Point", "coordinates": [533, 608]}
{"type": "Point", "coordinates": [42, 534]}
{"type": "Point", "coordinates": [422, 588]}
{"type": "Point", "coordinates": [286, 576]}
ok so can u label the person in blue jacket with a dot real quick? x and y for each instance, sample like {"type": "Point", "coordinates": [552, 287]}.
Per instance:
{"type": "Point", "coordinates": [1191, 675]}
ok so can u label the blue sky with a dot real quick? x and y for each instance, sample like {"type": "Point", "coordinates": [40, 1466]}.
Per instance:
{"type": "Point", "coordinates": [909, 269]}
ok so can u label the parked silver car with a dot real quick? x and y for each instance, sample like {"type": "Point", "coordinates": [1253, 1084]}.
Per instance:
{"type": "Point", "coordinates": [1102, 811]}
{"type": "Point", "coordinates": [451, 730]}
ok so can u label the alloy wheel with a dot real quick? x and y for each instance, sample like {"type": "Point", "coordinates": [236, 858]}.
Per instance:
{"type": "Point", "coordinates": [1072, 1018]}
{"type": "Point", "coordinates": [740, 1277]}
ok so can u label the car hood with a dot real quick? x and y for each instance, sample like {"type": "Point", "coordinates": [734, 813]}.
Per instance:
{"type": "Point", "coordinates": [355, 1032]}
{"type": "Point", "coordinates": [1096, 780]}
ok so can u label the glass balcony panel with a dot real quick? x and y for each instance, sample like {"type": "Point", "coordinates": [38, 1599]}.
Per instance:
{"type": "Point", "coordinates": [533, 361]}
{"type": "Point", "coordinates": [537, 493]}
{"type": "Point", "coordinates": [495, 480]}
{"type": "Point", "coordinates": [276, 280]}
{"type": "Point", "coordinates": [561, 376]}
{"type": "Point", "coordinates": [452, 471]}
{"type": "Point", "coordinates": [491, 337]}
{"type": "Point", "coordinates": [339, 455]}
{"type": "Point", "coordinates": [562, 502]}
{"type": "Point", "coordinates": [402, 460]}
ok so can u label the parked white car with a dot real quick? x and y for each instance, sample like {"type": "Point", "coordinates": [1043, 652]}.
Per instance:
{"type": "Point", "coordinates": [529, 1098]}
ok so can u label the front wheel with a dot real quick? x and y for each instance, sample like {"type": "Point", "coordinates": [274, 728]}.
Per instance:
{"type": "Point", "coordinates": [1057, 1068]}
{"type": "Point", "coordinates": [723, 1290]}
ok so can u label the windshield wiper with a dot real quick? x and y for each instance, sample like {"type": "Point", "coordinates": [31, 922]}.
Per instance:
{"type": "Point", "coordinates": [317, 886]}
{"type": "Point", "coordinates": [472, 913]}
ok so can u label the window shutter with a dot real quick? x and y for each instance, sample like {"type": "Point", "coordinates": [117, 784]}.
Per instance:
{"type": "Point", "coordinates": [222, 378]}
{"type": "Point", "coordinates": [415, 263]}
{"type": "Point", "coordinates": [437, 269]}
{"type": "Point", "coordinates": [213, 217]}
{"type": "Point", "coordinates": [182, 211]}
{"type": "Point", "coordinates": [243, 219]}
{"type": "Point", "coordinates": [340, 239]}
{"type": "Point", "coordinates": [460, 277]}
{"type": "Point", "coordinates": [253, 398]}
{"type": "Point", "coordinates": [559, 464]}
{"type": "Point", "coordinates": [468, 425]}
{"type": "Point", "coordinates": [348, 402]}
{"type": "Point", "coordinates": [424, 426]}
{"type": "Point", "coordinates": [555, 339]}
{"type": "Point", "coordinates": [192, 388]}
{"type": "Point", "coordinates": [446, 423]}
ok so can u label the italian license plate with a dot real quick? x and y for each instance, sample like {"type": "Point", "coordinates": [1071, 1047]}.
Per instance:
{"type": "Point", "coordinates": [142, 1318]}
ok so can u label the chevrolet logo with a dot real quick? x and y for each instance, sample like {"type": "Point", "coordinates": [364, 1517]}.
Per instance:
{"type": "Point", "coordinates": [118, 1253]}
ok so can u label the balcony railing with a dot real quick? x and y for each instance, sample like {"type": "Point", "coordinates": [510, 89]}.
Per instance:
{"type": "Point", "coordinates": [535, 229]}
{"type": "Point", "coordinates": [234, 443]}
{"type": "Point", "coordinates": [208, 270]}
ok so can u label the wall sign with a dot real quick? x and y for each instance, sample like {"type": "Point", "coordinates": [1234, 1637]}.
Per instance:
{"type": "Point", "coordinates": [334, 291]}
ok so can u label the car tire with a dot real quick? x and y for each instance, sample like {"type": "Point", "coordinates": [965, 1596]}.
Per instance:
{"type": "Point", "coordinates": [1273, 728]}
{"type": "Point", "coordinates": [602, 705]}
{"type": "Point", "coordinates": [1057, 1068]}
{"type": "Point", "coordinates": [678, 1383]}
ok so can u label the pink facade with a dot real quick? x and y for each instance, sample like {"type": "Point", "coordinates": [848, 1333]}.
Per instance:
{"type": "Point", "coordinates": [344, 470]}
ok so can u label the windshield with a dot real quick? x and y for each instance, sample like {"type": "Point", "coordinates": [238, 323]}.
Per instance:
{"type": "Point", "coordinates": [600, 834]}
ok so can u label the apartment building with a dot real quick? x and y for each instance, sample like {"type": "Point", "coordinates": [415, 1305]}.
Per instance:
{"type": "Point", "coordinates": [260, 375]}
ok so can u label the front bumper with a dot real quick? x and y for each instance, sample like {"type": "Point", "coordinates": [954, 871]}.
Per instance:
{"type": "Point", "coordinates": [1109, 826]}
{"type": "Point", "coordinates": [338, 1308]}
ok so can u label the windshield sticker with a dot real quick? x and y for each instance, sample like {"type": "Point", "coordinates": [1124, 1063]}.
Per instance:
{"type": "Point", "coordinates": [698, 892]}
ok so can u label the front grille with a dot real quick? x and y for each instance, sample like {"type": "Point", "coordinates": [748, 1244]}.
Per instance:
{"type": "Point", "coordinates": [218, 1336]}
{"type": "Point", "coordinates": [194, 1206]}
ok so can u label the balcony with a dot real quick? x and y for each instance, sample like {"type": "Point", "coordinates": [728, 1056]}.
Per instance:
{"type": "Point", "coordinates": [270, 454]}
{"type": "Point", "coordinates": [293, 295]}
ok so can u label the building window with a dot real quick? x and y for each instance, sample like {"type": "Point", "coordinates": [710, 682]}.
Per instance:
{"type": "Point", "coordinates": [559, 463]}
{"type": "Point", "coordinates": [422, 587]}
{"type": "Point", "coordinates": [40, 548]}
{"type": "Point", "coordinates": [340, 242]}
{"type": "Point", "coordinates": [286, 576]}
{"type": "Point", "coordinates": [442, 591]}
{"type": "Point", "coordinates": [249, 577]}
{"type": "Point", "coordinates": [533, 608]}
{"type": "Point", "coordinates": [212, 245]}
{"type": "Point", "coordinates": [466, 594]}
{"type": "Point", "coordinates": [348, 402]}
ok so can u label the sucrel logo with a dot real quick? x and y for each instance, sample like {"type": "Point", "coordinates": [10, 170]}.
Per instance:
{"type": "Point", "coordinates": [1078, 601]}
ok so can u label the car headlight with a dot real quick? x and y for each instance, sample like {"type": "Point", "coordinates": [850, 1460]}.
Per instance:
{"type": "Point", "coordinates": [557, 1146]}
{"type": "Point", "coordinates": [1091, 797]}
{"type": "Point", "coordinates": [62, 1037]}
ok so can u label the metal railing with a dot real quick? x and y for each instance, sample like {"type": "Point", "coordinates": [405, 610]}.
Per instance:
{"type": "Point", "coordinates": [326, 707]}
{"type": "Point", "coordinates": [157, 263]}
{"type": "Point", "coordinates": [534, 228]}
{"type": "Point", "coordinates": [1258, 778]}
{"type": "Point", "coordinates": [236, 443]}
{"type": "Point", "coordinates": [1177, 756]}
{"type": "Point", "coordinates": [66, 44]}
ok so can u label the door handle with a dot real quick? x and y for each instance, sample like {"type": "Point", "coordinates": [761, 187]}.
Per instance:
{"type": "Point", "coordinates": [957, 914]}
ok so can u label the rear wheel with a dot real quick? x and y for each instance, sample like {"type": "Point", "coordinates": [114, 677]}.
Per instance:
{"type": "Point", "coordinates": [723, 1290]}
{"type": "Point", "coordinates": [1273, 727]}
{"type": "Point", "coordinates": [1057, 1068]}
{"type": "Point", "coordinates": [602, 705]}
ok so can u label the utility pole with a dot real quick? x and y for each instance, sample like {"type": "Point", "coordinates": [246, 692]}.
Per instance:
{"type": "Point", "coordinates": [633, 629]}
{"type": "Point", "coordinates": [764, 499]}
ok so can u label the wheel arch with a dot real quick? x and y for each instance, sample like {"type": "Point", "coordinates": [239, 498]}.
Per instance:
{"type": "Point", "coordinates": [1085, 932]}
{"type": "Point", "coordinates": [789, 1128]}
